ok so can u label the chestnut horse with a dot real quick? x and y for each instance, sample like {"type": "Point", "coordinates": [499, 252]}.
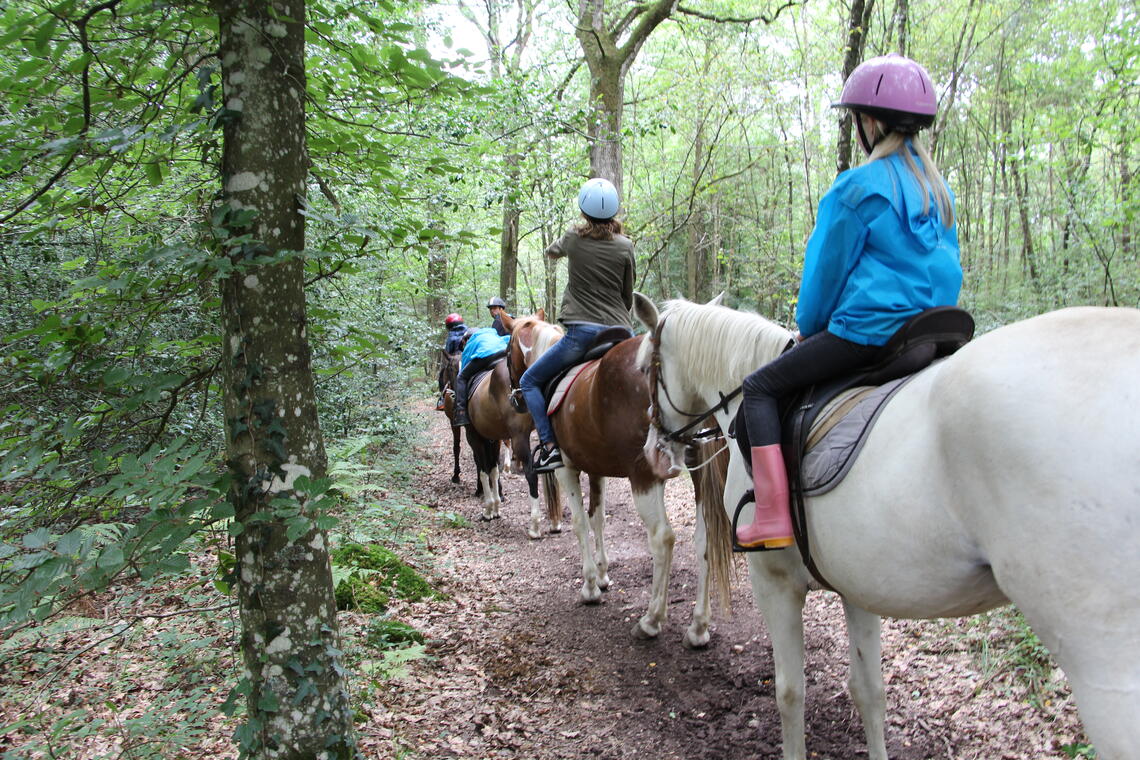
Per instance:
{"type": "Point", "coordinates": [494, 420]}
{"type": "Point", "coordinates": [601, 427]}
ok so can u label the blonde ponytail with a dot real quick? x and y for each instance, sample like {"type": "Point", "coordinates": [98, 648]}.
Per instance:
{"type": "Point", "coordinates": [925, 172]}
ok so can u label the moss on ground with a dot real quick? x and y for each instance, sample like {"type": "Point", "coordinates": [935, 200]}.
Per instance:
{"type": "Point", "coordinates": [379, 574]}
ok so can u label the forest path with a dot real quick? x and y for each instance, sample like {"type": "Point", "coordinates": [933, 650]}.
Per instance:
{"type": "Point", "coordinates": [518, 668]}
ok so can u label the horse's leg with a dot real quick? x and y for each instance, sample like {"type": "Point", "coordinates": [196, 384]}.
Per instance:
{"type": "Point", "coordinates": [865, 678]}
{"type": "Point", "coordinates": [651, 509]}
{"type": "Point", "coordinates": [779, 590]}
{"type": "Point", "coordinates": [568, 481]}
{"type": "Point", "coordinates": [534, 529]}
{"type": "Point", "coordinates": [495, 503]}
{"type": "Point", "coordinates": [455, 432]}
{"type": "Point", "coordinates": [598, 522]}
{"type": "Point", "coordinates": [1093, 631]}
{"type": "Point", "coordinates": [697, 634]}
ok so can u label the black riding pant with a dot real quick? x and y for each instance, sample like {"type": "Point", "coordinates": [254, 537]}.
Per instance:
{"type": "Point", "coordinates": [821, 357]}
{"type": "Point", "coordinates": [473, 368]}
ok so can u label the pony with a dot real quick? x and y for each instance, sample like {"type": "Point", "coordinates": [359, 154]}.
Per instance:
{"type": "Point", "coordinates": [1008, 472]}
{"type": "Point", "coordinates": [601, 427]}
{"type": "Point", "coordinates": [448, 372]}
{"type": "Point", "coordinates": [494, 420]}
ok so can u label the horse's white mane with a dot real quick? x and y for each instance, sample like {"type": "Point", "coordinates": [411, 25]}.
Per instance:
{"type": "Point", "coordinates": [718, 346]}
{"type": "Point", "coordinates": [545, 335]}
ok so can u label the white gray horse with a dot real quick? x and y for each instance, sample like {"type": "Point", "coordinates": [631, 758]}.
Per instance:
{"type": "Point", "coordinates": [1010, 472]}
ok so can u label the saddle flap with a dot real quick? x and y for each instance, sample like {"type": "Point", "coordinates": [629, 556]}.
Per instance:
{"type": "Point", "coordinates": [560, 386]}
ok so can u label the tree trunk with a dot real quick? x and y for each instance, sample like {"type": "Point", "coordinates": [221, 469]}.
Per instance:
{"type": "Point", "coordinates": [509, 238]}
{"type": "Point", "coordinates": [857, 23]}
{"type": "Point", "coordinates": [902, 18]}
{"type": "Point", "coordinates": [297, 701]}
{"type": "Point", "coordinates": [608, 61]}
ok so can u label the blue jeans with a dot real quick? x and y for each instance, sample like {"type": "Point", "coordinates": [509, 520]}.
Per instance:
{"type": "Point", "coordinates": [566, 352]}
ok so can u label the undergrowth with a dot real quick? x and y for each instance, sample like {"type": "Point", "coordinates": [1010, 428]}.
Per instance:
{"type": "Point", "coordinates": [140, 668]}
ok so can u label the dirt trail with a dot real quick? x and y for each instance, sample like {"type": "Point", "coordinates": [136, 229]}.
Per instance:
{"type": "Point", "coordinates": [520, 669]}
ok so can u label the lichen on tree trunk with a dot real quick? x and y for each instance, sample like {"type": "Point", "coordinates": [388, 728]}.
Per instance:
{"type": "Point", "coordinates": [297, 702]}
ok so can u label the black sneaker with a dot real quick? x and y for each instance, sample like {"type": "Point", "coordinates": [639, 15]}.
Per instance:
{"type": "Point", "coordinates": [546, 458]}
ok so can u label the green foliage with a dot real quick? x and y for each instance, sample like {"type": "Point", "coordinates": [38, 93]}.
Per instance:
{"type": "Point", "coordinates": [356, 593]}
{"type": "Point", "coordinates": [1004, 646]}
{"type": "Point", "coordinates": [392, 634]}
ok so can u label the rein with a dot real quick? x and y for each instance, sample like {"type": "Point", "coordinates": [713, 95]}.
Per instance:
{"type": "Point", "coordinates": [681, 434]}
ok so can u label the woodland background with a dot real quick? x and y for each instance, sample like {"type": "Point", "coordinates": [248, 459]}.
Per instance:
{"type": "Point", "coordinates": [444, 145]}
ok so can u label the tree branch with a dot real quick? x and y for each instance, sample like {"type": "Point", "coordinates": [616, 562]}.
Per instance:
{"type": "Point", "coordinates": [736, 19]}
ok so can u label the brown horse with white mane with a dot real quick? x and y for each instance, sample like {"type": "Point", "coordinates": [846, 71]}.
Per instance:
{"type": "Point", "coordinates": [601, 426]}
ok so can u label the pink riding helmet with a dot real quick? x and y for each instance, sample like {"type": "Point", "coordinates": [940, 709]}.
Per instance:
{"type": "Point", "coordinates": [894, 89]}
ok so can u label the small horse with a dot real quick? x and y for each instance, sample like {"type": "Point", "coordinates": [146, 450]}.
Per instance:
{"type": "Point", "coordinates": [448, 372]}
{"type": "Point", "coordinates": [1009, 472]}
{"type": "Point", "coordinates": [493, 420]}
{"type": "Point", "coordinates": [601, 427]}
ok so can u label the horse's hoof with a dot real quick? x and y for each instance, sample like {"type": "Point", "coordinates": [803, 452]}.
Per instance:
{"type": "Point", "coordinates": [692, 641]}
{"type": "Point", "coordinates": [591, 598]}
{"type": "Point", "coordinates": [455, 479]}
{"type": "Point", "coordinates": [556, 530]}
{"type": "Point", "coordinates": [533, 535]}
{"type": "Point", "coordinates": [641, 634]}
{"type": "Point", "coordinates": [484, 518]}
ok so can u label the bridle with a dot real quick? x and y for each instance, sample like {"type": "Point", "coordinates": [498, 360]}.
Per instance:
{"type": "Point", "coordinates": [656, 381]}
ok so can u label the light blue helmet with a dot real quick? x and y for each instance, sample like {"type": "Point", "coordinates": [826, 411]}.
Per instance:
{"type": "Point", "coordinates": [598, 199]}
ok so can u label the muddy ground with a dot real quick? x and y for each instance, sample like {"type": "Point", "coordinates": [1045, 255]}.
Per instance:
{"type": "Point", "coordinates": [520, 669]}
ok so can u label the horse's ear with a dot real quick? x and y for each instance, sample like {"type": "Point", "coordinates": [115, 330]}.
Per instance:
{"type": "Point", "coordinates": [508, 321]}
{"type": "Point", "coordinates": [541, 314]}
{"type": "Point", "coordinates": [717, 300]}
{"type": "Point", "coordinates": [645, 310]}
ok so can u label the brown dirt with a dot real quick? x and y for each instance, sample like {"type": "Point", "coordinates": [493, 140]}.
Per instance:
{"type": "Point", "coordinates": [520, 669]}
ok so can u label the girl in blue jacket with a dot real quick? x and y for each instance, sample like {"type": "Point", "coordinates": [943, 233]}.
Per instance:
{"type": "Point", "coordinates": [884, 248]}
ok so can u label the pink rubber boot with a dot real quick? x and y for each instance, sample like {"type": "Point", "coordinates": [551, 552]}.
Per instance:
{"type": "Point", "coordinates": [772, 524]}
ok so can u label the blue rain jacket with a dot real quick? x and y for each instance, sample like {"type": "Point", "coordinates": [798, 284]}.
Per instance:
{"type": "Point", "coordinates": [483, 342]}
{"type": "Point", "coordinates": [875, 258]}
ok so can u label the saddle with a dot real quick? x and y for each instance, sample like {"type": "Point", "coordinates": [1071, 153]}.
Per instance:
{"type": "Point", "coordinates": [554, 391]}
{"type": "Point", "coordinates": [479, 378]}
{"type": "Point", "coordinates": [851, 405]}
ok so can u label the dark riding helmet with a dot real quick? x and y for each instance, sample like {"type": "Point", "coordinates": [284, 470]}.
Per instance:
{"type": "Point", "coordinates": [496, 301]}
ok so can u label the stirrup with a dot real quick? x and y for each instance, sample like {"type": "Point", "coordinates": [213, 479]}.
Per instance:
{"type": "Point", "coordinates": [518, 403]}
{"type": "Point", "coordinates": [749, 497]}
